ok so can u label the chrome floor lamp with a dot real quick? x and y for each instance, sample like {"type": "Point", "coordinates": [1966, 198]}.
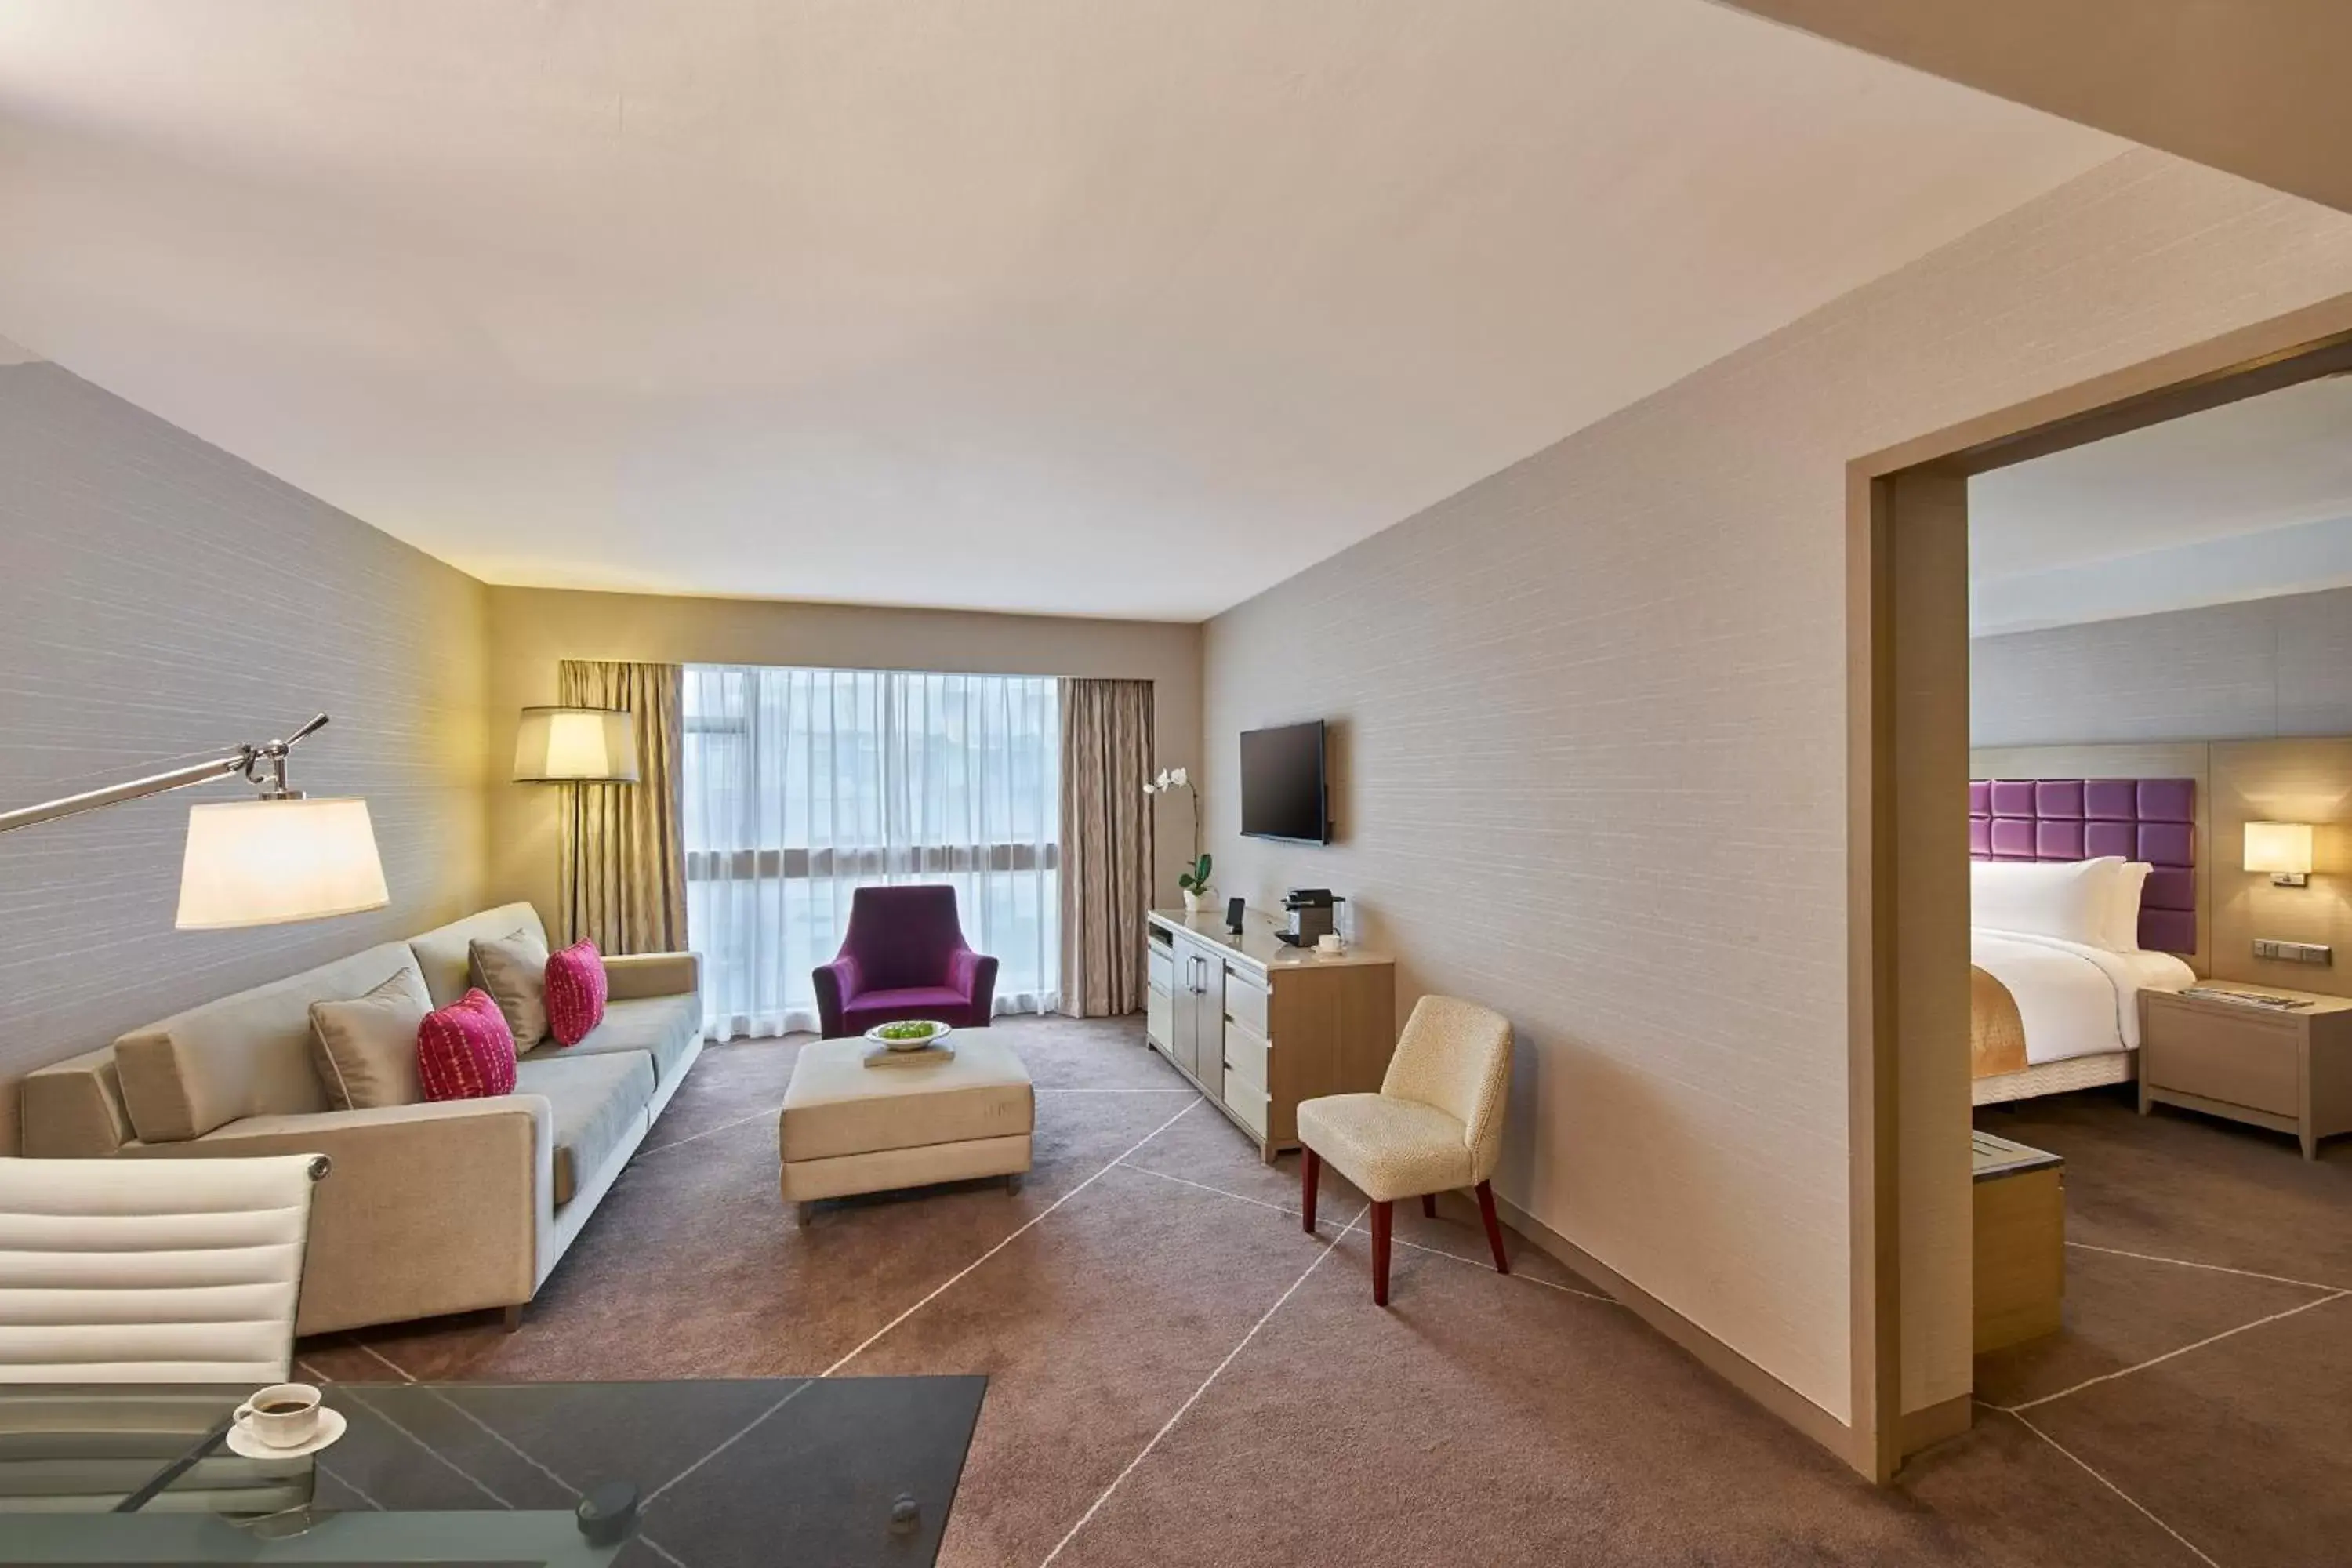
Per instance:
{"type": "Point", "coordinates": [279, 857]}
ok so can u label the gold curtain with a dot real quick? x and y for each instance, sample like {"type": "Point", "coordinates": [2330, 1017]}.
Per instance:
{"type": "Point", "coordinates": [1106, 742]}
{"type": "Point", "coordinates": [624, 857]}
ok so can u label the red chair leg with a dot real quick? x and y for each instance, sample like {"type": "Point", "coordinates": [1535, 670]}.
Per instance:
{"type": "Point", "coordinates": [1311, 1172]}
{"type": "Point", "coordinates": [1493, 1228]}
{"type": "Point", "coordinates": [1381, 1221]}
{"type": "Point", "coordinates": [1429, 1205]}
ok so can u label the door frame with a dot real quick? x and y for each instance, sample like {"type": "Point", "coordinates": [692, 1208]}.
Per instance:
{"type": "Point", "coordinates": [1907, 743]}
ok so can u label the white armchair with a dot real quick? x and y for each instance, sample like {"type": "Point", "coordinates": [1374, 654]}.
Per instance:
{"type": "Point", "coordinates": [1436, 1125]}
{"type": "Point", "coordinates": [152, 1270]}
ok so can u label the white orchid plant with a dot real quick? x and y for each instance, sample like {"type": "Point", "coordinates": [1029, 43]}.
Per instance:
{"type": "Point", "coordinates": [1196, 880]}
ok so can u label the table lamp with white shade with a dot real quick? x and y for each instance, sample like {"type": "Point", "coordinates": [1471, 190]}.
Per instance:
{"type": "Point", "coordinates": [281, 857]}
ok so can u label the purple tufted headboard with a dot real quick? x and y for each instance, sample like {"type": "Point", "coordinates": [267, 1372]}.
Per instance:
{"type": "Point", "coordinates": [2153, 820]}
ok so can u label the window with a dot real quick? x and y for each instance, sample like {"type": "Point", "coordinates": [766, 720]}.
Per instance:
{"type": "Point", "coordinates": [803, 785]}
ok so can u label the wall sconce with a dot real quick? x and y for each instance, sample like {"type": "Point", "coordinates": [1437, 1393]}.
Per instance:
{"type": "Point", "coordinates": [2282, 848]}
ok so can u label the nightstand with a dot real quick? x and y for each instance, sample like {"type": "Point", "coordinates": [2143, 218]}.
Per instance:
{"type": "Point", "coordinates": [2289, 1071]}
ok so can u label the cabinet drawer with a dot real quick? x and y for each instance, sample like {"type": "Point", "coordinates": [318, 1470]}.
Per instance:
{"type": "Point", "coordinates": [2253, 1062]}
{"type": "Point", "coordinates": [1245, 1053]}
{"type": "Point", "coordinates": [1163, 970]}
{"type": "Point", "coordinates": [1246, 1101]}
{"type": "Point", "coordinates": [1245, 1000]}
{"type": "Point", "coordinates": [1158, 1017]}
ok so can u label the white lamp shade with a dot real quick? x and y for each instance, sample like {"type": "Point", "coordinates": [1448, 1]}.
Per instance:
{"type": "Point", "coordinates": [2283, 848]}
{"type": "Point", "coordinates": [561, 744]}
{"type": "Point", "coordinates": [265, 862]}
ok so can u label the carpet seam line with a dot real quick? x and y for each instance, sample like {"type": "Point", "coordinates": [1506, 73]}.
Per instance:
{"type": "Point", "coordinates": [471, 1480]}
{"type": "Point", "coordinates": [2144, 1510]}
{"type": "Point", "coordinates": [680, 1143]}
{"type": "Point", "coordinates": [938, 1290]}
{"type": "Point", "coordinates": [1480, 1264]}
{"type": "Point", "coordinates": [2157, 1360]}
{"type": "Point", "coordinates": [367, 1348]}
{"type": "Point", "coordinates": [1170, 1426]}
{"type": "Point", "coordinates": [2212, 1268]}
{"type": "Point", "coordinates": [356, 1489]}
{"type": "Point", "coordinates": [952, 1279]}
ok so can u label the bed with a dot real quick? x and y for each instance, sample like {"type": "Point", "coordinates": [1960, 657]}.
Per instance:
{"type": "Point", "coordinates": [2061, 948]}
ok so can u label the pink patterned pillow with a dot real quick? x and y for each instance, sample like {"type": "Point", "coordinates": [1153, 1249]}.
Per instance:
{"type": "Point", "coordinates": [576, 988]}
{"type": "Point", "coordinates": [465, 1051]}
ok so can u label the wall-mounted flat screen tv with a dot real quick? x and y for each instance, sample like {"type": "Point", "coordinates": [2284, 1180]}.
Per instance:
{"type": "Point", "coordinates": [1282, 785]}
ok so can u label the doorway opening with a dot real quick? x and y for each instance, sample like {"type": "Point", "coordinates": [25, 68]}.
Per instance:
{"type": "Point", "coordinates": [1916, 988]}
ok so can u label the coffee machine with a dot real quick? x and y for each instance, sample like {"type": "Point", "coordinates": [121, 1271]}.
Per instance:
{"type": "Point", "coordinates": [1309, 913]}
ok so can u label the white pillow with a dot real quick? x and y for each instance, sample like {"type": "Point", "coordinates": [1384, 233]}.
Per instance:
{"type": "Point", "coordinates": [2123, 906]}
{"type": "Point", "coordinates": [2072, 900]}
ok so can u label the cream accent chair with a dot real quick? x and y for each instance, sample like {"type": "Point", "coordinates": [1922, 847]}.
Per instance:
{"type": "Point", "coordinates": [147, 1271]}
{"type": "Point", "coordinates": [1436, 1125]}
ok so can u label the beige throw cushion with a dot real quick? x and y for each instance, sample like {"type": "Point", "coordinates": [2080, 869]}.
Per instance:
{"type": "Point", "coordinates": [513, 970]}
{"type": "Point", "coordinates": [365, 1050]}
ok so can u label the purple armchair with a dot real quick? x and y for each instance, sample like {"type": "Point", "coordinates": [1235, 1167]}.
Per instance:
{"type": "Point", "coordinates": [904, 957]}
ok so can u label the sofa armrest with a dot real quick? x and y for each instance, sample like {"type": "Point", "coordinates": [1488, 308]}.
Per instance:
{"type": "Point", "coordinates": [432, 1208]}
{"type": "Point", "coordinates": [73, 1107]}
{"type": "Point", "coordinates": [653, 974]}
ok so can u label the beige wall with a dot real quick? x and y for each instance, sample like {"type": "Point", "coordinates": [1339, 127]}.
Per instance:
{"type": "Point", "coordinates": [531, 628]}
{"type": "Point", "coordinates": [1593, 736]}
{"type": "Point", "coordinates": [2254, 87]}
{"type": "Point", "coordinates": [2264, 668]}
{"type": "Point", "coordinates": [163, 602]}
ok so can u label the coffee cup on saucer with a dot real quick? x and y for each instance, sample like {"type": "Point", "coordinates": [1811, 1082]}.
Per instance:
{"type": "Point", "coordinates": [1329, 942]}
{"type": "Point", "coordinates": [283, 1415]}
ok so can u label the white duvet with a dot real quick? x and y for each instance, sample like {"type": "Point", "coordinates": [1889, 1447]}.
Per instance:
{"type": "Point", "coordinates": [2074, 1000]}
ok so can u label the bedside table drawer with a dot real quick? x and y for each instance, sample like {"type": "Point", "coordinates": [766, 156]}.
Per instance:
{"type": "Point", "coordinates": [2253, 1062]}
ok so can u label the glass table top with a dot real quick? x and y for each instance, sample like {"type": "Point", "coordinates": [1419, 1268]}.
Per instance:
{"type": "Point", "coordinates": [848, 1471]}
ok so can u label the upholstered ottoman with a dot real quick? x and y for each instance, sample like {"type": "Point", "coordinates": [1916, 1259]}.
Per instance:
{"type": "Point", "coordinates": [847, 1128]}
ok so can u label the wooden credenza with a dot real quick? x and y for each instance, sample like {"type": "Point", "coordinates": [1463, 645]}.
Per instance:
{"type": "Point", "coordinates": [1259, 1026]}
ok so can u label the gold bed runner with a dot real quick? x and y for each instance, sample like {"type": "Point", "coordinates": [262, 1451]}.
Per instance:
{"type": "Point", "coordinates": [1996, 1034]}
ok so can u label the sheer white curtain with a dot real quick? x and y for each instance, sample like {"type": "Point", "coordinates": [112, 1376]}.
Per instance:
{"type": "Point", "coordinates": [803, 785]}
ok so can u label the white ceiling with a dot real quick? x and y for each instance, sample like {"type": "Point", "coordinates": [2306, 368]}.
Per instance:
{"type": "Point", "coordinates": [1107, 307]}
{"type": "Point", "coordinates": [2244, 501]}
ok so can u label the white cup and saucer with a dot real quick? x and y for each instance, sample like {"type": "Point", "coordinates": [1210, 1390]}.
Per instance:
{"type": "Point", "coordinates": [1329, 945]}
{"type": "Point", "coordinates": [284, 1421]}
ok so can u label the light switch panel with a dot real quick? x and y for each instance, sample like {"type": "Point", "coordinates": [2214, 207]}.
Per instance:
{"type": "Point", "coordinates": [2294, 952]}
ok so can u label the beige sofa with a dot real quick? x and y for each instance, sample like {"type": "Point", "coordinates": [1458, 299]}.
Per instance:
{"type": "Point", "coordinates": [431, 1208]}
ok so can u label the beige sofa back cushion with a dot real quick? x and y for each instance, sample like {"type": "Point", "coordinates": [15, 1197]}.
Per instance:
{"type": "Point", "coordinates": [247, 1055]}
{"type": "Point", "coordinates": [513, 970]}
{"type": "Point", "coordinates": [364, 1050]}
{"type": "Point", "coordinates": [445, 953]}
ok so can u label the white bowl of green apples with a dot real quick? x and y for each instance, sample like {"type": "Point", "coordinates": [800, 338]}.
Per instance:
{"type": "Point", "coordinates": [909, 1035]}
